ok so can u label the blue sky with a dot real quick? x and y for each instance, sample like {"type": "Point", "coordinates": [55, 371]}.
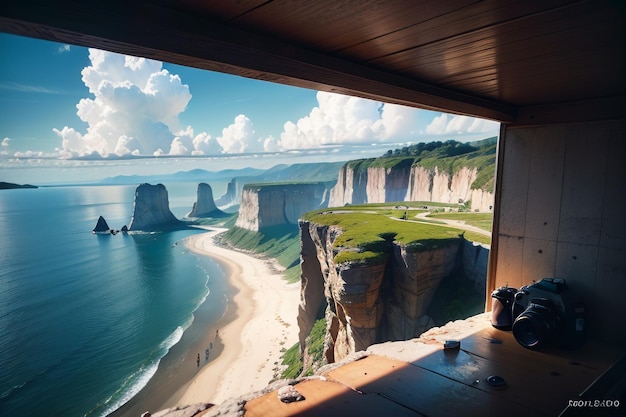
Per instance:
{"type": "Point", "coordinates": [65, 108]}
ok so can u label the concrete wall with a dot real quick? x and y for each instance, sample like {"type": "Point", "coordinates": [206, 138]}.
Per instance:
{"type": "Point", "coordinates": [562, 214]}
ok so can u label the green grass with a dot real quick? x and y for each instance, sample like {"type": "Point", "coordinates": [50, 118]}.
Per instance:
{"type": "Point", "coordinates": [480, 220]}
{"type": "Point", "coordinates": [222, 220]}
{"type": "Point", "coordinates": [292, 359]}
{"type": "Point", "coordinates": [315, 342]}
{"type": "Point", "coordinates": [281, 243]}
{"type": "Point", "coordinates": [368, 232]}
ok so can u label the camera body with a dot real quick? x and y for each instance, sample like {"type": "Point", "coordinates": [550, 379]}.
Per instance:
{"type": "Point", "coordinates": [548, 312]}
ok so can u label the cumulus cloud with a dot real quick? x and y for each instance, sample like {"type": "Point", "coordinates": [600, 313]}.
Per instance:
{"type": "Point", "coordinates": [451, 124]}
{"type": "Point", "coordinates": [134, 111]}
{"type": "Point", "coordinates": [240, 137]}
{"type": "Point", "coordinates": [64, 48]}
{"type": "Point", "coordinates": [344, 120]}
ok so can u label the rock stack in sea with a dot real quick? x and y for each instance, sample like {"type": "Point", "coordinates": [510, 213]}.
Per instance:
{"type": "Point", "coordinates": [151, 210]}
{"type": "Point", "coordinates": [101, 226]}
{"type": "Point", "coordinates": [205, 205]}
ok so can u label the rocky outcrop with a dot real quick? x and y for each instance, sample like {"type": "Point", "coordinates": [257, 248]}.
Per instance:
{"type": "Point", "coordinates": [151, 210]}
{"type": "Point", "coordinates": [268, 205]}
{"type": "Point", "coordinates": [435, 184]}
{"type": "Point", "coordinates": [367, 303]}
{"type": "Point", "coordinates": [101, 226]}
{"type": "Point", "coordinates": [205, 205]}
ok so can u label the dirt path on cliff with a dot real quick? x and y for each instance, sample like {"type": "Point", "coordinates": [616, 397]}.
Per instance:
{"type": "Point", "coordinates": [457, 224]}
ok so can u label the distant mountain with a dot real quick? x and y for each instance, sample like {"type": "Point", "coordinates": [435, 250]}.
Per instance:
{"type": "Point", "coordinates": [312, 172]}
{"type": "Point", "coordinates": [10, 185]}
{"type": "Point", "coordinates": [195, 175]}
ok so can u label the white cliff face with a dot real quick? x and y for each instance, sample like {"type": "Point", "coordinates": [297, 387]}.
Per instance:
{"type": "Point", "coordinates": [350, 187]}
{"type": "Point", "coordinates": [388, 184]}
{"type": "Point", "coordinates": [151, 210]}
{"type": "Point", "coordinates": [248, 210]}
{"type": "Point", "coordinates": [204, 205]}
{"type": "Point", "coordinates": [440, 186]}
{"type": "Point", "coordinates": [401, 183]}
{"type": "Point", "coordinates": [273, 205]}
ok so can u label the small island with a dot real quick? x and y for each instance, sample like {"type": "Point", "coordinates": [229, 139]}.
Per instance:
{"type": "Point", "coordinates": [11, 186]}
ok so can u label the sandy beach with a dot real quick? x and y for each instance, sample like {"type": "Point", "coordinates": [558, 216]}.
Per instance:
{"type": "Point", "coordinates": [259, 322]}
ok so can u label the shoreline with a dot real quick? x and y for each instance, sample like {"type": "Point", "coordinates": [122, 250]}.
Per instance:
{"type": "Point", "coordinates": [257, 312]}
{"type": "Point", "coordinates": [264, 310]}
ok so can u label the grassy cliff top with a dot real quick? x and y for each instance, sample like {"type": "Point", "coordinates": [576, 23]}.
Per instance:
{"type": "Point", "coordinates": [367, 230]}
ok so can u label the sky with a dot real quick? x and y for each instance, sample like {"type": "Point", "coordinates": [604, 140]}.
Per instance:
{"type": "Point", "coordinates": [69, 112]}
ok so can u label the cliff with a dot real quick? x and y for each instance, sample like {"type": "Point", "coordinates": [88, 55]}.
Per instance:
{"type": "Point", "coordinates": [308, 172]}
{"type": "Point", "coordinates": [268, 205]}
{"type": "Point", "coordinates": [447, 172]}
{"type": "Point", "coordinates": [151, 210]}
{"type": "Point", "coordinates": [435, 184]}
{"type": "Point", "coordinates": [205, 205]}
{"type": "Point", "coordinates": [379, 289]}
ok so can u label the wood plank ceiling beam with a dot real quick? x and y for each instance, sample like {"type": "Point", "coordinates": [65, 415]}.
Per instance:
{"type": "Point", "coordinates": [152, 31]}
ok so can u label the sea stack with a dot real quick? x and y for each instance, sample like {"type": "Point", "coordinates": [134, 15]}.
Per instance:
{"type": "Point", "coordinates": [101, 226]}
{"type": "Point", "coordinates": [151, 210]}
{"type": "Point", "coordinates": [204, 205]}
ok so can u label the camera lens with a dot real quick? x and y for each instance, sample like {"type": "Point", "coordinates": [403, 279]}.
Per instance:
{"type": "Point", "coordinates": [534, 327]}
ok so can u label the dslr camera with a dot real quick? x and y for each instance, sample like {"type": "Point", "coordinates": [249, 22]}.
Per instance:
{"type": "Point", "coordinates": [548, 312]}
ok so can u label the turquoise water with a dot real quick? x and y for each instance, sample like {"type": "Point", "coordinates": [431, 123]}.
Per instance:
{"type": "Point", "coordinates": [85, 319]}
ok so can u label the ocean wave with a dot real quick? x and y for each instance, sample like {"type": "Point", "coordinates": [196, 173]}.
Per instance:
{"type": "Point", "coordinates": [136, 381]}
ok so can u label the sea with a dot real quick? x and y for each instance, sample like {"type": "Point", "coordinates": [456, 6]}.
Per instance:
{"type": "Point", "coordinates": [85, 319]}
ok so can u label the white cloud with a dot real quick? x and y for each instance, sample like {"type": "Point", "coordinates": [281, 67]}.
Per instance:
{"type": "Point", "coordinates": [64, 48]}
{"type": "Point", "coordinates": [204, 144]}
{"type": "Point", "coordinates": [344, 120]}
{"type": "Point", "coordinates": [240, 137]}
{"type": "Point", "coordinates": [134, 111]}
{"type": "Point", "coordinates": [451, 124]}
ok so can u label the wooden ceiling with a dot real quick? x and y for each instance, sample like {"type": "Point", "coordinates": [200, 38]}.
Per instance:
{"type": "Point", "coordinates": [520, 62]}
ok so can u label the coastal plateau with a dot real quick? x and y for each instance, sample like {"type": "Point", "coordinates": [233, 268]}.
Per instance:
{"type": "Point", "coordinates": [373, 277]}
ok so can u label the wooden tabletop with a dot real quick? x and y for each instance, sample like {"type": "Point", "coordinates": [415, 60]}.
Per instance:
{"type": "Point", "coordinates": [451, 382]}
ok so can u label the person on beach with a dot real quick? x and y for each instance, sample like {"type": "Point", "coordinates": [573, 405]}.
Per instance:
{"type": "Point", "coordinates": [198, 360]}
{"type": "Point", "coordinates": [206, 355]}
